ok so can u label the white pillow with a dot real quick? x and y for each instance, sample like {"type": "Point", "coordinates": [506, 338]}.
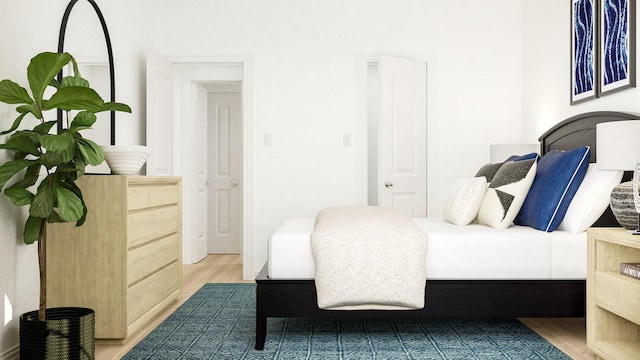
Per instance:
{"type": "Point", "coordinates": [464, 200]}
{"type": "Point", "coordinates": [506, 193]}
{"type": "Point", "coordinates": [591, 199]}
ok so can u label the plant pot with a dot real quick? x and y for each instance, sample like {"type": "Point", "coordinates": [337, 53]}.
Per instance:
{"type": "Point", "coordinates": [68, 333]}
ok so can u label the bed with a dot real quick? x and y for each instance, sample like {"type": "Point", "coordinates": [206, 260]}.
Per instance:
{"type": "Point", "coordinates": [466, 288]}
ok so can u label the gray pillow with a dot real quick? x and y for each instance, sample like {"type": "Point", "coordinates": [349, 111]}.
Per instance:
{"type": "Point", "coordinates": [506, 193]}
{"type": "Point", "coordinates": [488, 171]}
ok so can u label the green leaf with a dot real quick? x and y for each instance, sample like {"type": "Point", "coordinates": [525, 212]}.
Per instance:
{"type": "Point", "coordinates": [67, 168]}
{"type": "Point", "coordinates": [10, 168]}
{"type": "Point", "coordinates": [68, 182]}
{"type": "Point", "coordinates": [91, 151]}
{"type": "Point", "coordinates": [12, 93]}
{"type": "Point", "coordinates": [80, 166]}
{"type": "Point", "coordinates": [30, 108]}
{"type": "Point", "coordinates": [19, 197]}
{"type": "Point", "coordinates": [32, 229]}
{"type": "Point", "coordinates": [45, 127]}
{"type": "Point", "coordinates": [43, 201]}
{"type": "Point", "coordinates": [70, 206]}
{"type": "Point", "coordinates": [62, 144]}
{"type": "Point", "coordinates": [42, 69]}
{"type": "Point", "coordinates": [76, 70]}
{"type": "Point", "coordinates": [114, 106]}
{"type": "Point", "coordinates": [55, 218]}
{"type": "Point", "coordinates": [74, 81]}
{"type": "Point", "coordinates": [34, 136]}
{"type": "Point", "coordinates": [15, 125]}
{"type": "Point", "coordinates": [30, 177]}
{"type": "Point", "coordinates": [19, 155]}
{"type": "Point", "coordinates": [54, 83]}
{"type": "Point", "coordinates": [74, 98]}
{"type": "Point", "coordinates": [50, 159]}
{"type": "Point", "coordinates": [83, 218]}
{"type": "Point", "coordinates": [83, 120]}
{"type": "Point", "coordinates": [20, 142]}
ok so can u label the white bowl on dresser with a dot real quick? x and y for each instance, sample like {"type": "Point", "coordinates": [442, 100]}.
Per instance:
{"type": "Point", "coordinates": [125, 159]}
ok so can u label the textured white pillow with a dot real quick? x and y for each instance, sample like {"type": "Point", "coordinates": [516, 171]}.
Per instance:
{"type": "Point", "coordinates": [464, 200]}
{"type": "Point", "coordinates": [591, 199]}
{"type": "Point", "coordinates": [506, 194]}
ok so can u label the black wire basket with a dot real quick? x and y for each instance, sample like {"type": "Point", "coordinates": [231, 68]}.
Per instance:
{"type": "Point", "coordinates": [67, 333]}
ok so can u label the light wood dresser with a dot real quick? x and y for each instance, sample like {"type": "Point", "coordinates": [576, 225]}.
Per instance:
{"type": "Point", "coordinates": [125, 262]}
{"type": "Point", "coordinates": [613, 300]}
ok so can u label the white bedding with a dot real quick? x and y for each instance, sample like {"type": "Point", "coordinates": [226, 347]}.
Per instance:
{"type": "Point", "coordinates": [368, 257]}
{"type": "Point", "coordinates": [453, 252]}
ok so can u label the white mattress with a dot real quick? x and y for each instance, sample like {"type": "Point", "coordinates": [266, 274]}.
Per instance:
{"type": "Point", "coordinates": [454, 252]}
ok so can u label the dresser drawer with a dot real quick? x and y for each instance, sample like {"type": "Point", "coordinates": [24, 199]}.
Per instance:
{"type": "Point", "coordinates": [145, 260]}
{"type": "Point", "coordinates": [146, 294]}
{"type": "Point", "coordinates": [143, 197]}
{"type": "Point", "coordinates": [151, 224]}
{"type": "Point", "coordinates": [618, 294]}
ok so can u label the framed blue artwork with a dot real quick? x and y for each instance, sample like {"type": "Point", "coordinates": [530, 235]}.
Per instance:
{"type": "Point", "coordinates": [583, 50]}
{"type": "Point", "coordinates": [617, 45]}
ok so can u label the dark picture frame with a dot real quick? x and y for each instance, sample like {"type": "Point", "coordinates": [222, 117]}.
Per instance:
{"type": "Point", "coordinates": [584, 63]}
{"type": "Point", "coordinates": [617, 45]}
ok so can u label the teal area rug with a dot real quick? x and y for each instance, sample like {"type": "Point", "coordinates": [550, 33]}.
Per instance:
{"type": "Point", "coordinates": [218, 322]}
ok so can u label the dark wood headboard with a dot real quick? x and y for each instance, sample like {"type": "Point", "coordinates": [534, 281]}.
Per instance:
{"type": "Point", "coordinates": [580, 130]}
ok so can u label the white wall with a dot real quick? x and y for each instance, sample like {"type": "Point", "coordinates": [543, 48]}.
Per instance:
{"type": "Point", "coordinates": [304, 56]}
{"type": "Point", "coordinates": [546, 71]}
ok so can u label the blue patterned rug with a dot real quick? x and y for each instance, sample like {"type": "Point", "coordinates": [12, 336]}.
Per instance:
{"type": "Point", "coordinates": [218, 322]}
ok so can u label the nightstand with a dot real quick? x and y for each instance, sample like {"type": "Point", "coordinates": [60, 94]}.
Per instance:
{"type": "Point", "coordinates": [613, 300]}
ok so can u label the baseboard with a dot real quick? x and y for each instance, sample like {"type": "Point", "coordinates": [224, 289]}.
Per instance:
{"type": "Point", "coordinates": [13, 354]}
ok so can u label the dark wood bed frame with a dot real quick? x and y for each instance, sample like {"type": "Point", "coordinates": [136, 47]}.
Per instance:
{"type": "Point", "coordinates": [459, 298]}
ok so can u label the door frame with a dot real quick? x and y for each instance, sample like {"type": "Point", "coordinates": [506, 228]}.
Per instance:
{"type": "Point", "coordinates": [188, 73]}
{"type": "Point", "coordinates": [361, 127]}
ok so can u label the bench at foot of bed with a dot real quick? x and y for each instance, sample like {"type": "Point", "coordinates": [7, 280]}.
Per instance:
{"type": "Point", "coordinates": [443, 298]}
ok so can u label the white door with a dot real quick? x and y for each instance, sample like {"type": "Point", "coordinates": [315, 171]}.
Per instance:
{"type": "Point", "coordinates": [402, 134]}
{"type": "Point", "coordinates": [159, 115]}
{"type": "Point", "coordinates": [201, 174]}
{"type": "Point", "coordinates": [225, 172]}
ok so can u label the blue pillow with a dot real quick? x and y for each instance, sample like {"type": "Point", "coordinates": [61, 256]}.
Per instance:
{"type": "Point", "coordinates": [522, 157]}
{"type": "Point", "coordinates": [558, 177]}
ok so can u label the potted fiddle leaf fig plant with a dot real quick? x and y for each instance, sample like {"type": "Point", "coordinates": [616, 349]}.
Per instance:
{"type": "Point", "coordinates": [45, 164]}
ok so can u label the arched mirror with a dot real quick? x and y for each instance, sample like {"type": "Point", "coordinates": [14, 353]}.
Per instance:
{"type": "Point", "coordinates": [93, 65]}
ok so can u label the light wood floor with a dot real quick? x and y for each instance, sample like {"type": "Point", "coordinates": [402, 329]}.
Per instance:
{"type": "Point", "coordinates": [566, 334]}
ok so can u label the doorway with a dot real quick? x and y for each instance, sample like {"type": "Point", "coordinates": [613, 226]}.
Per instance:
{"type": "Point", "coordinates": [176, 101]}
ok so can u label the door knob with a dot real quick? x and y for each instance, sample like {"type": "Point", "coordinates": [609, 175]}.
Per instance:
{"type": "Point", "coordinates": [208, 182]}
{"type": "Point", "coordinates": [234, 183]}
{"type": "Point", "coordinates": [388, 184]}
